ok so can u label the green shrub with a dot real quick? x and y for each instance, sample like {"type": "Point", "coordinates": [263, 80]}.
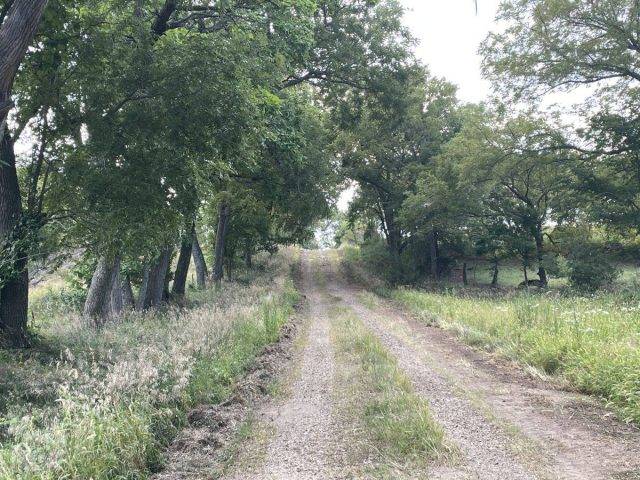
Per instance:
{"type": "Point", "coordinates": [590, 268]}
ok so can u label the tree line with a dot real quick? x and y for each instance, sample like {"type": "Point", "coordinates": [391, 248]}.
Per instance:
{"type": "Point", "coordinates": [165, 130]}
{"type": "Point", "coordinates": [442, 183]}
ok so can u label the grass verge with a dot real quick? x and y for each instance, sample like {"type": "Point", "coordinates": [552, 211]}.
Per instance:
{"type": "Point", "coordinates": [103, 405]}
{"type": "Point", "coordinates": [591, 342]}
{"type": "Point", "coordinates": [396, 423]}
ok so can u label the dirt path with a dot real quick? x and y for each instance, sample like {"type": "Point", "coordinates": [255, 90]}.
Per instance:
{"type": "Point", "coordinates": [502, 423]}
{"type": "Point", "coordinates": [506, 424]}
{"type": "Point", "coordinates": [306, 439]}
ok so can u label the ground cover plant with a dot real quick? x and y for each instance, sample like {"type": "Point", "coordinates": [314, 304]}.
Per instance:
{"type": "Point", "coordinates": [396, 420]}
{"type": "Point", "coordinates": [103, 404]}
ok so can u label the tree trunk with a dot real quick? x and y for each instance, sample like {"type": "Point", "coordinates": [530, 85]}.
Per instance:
{"type": "Point", "coordinates": [144, 287]}
{"type": "Point", "coordinates": [127, 293]}
{"type": "Point", "coordinates": [433, 254]}
{"type": "Point", "coordinates": [199, 262]}
{"type": "Point", "coordinates": [99, 303]}
{"type": "Point", "coordinates": [182, 269]}
{"type": "Point", "coordinates": [117, 297]}
{"type": "Point", "coordinates": [526, 275]}
{"type": "Point", "coordinates": [465, 280]}
{"type": "Point", "coordinates": [248, 258]}
{"type": "Point", "coordinates": [221, 233]}
{"type": "Point", "coordinates": [494, 280]}
{"type": "Point", "coordinates": [394, 235]}
{"type": "Point", "coordinates": [154, 292]}
{"type": "Point", "coordinates": [14, 291]}
{"type": "Point", "coordinates": [539, 238]}
{"type": "Point", "coordinates": [229, 268]}
{"type": "Point", "coordinates": [16, 33]}
{"type": "Point", "coordinates": [168, 274]}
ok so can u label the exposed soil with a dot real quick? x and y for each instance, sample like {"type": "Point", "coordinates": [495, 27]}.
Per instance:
{"type": "Point", "coordinates": [306, 439]}
{"type": "Point", "coordinates": [200, 451]}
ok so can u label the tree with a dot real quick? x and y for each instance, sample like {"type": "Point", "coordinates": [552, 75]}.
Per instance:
{"type": "Point", "coordinates": [565, 44]}
{"type": "Point", "coordinates": [517, 176]}
{"type": "Point", "coordinates": [553, 44]}
{"type": "Point", "coordinates": [395, 134]}
{"type": "Point", "coordinates": [19, 21]}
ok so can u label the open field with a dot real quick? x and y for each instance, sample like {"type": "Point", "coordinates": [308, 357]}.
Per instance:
{"type": "Point", "coordinates": [591, 342]}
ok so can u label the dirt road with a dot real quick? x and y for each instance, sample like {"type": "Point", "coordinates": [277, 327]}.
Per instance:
{"type": "Point", "coordinates": [503, 423]}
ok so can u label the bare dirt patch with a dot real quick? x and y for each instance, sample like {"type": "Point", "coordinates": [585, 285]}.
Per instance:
{"type": "Point", "coordinates": [205, 447]}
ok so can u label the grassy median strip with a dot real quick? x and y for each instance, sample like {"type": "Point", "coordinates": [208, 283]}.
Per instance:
{"type": "Point", "coordinates": [396, 422]}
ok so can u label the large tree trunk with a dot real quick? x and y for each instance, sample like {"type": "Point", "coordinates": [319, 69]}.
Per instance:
{"type": "Point", "coordinates": [199, 262]}
{"type": "Point", "coordinates": [16, 33]}
{"type": "Point", "coordinates": [433, 254]}
{"type": "Point", "coordinates": [224, 212]}
{"type": "Point", "coordinates": [14, 291]}
{"type": "Point", "coordinates": [155, 285]}
{"type": "Point", "coordinates": [182, 269]}
{"type": "Point", "coordinates": [539, 238]}
{"type": "Point", "coordinates": [101, 303]}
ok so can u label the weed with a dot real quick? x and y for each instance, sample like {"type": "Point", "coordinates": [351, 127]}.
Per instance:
{"type": "Point", "coordinates": [591, 341]}
{"type": "Point", "coordinates": [398, 420]}
{"type": "Point", "coordinates": [104, 405]}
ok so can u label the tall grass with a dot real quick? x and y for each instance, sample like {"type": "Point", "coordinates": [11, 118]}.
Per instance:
{"type": "Point", "coordinates": [593, 342]}
{"type": "Point", "coordinates": [397, 420]}
{"type": "Point", "coordinates": [103, 405]}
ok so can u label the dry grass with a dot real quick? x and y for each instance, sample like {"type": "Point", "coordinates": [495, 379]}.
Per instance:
{"type": "Point", "coordinates": [88, 404]}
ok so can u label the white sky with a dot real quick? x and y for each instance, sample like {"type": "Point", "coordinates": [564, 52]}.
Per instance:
{"type": "Point", "coordinates": [450, 32]}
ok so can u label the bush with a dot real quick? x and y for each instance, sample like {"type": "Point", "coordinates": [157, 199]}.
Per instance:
{"type": "Point", "coordinates": [393, 269]}
{"type": "Point", "coordinates": [590, 268]}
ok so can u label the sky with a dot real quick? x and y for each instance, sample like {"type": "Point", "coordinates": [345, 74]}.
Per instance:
{"type": "Point", "coordinates": [450, 32]}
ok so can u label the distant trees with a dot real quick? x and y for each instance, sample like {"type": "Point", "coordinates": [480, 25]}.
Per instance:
{"type": "Point", "coordinates": [446, 182]}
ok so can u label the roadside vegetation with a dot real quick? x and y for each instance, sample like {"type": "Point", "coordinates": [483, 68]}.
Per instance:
{"type": "Point", "coordinates": [396, 425]}
{"type": "Point", "coordinates": [141, 138]}
{"type": "Point", "coordinates": [104, 404]}
{"type": "Point", "coordinates": [591, 341]}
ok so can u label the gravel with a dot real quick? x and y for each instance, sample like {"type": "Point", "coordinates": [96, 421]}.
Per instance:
{"type": "Point", "coordinates": [506, 424]}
